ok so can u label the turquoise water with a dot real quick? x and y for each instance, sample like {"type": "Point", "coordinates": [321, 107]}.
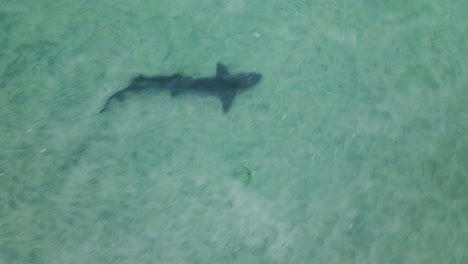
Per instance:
{"type": "Point", "coordinates": [352, 149]}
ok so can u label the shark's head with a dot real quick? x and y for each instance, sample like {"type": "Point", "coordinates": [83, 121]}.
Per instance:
{"type": "Point", "coordinates": [246, 80]}
{"type": "Point", "coordinates": [252, 78]}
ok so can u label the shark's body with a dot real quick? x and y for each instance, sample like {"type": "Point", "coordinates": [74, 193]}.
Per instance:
{"type": "Point", "coordinates": [223, 85]}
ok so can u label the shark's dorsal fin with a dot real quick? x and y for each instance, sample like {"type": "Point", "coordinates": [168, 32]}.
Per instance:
{"type": "Point", "coordinates": [221, 70]}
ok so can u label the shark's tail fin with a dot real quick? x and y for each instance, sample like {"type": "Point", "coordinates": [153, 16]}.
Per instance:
{"type": "Point", "coordinates": [142, 82]}
{"type": "Point", "coordinates": [104, 108]}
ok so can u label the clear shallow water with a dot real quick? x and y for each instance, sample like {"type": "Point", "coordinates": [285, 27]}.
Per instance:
{"type": "Point", "coordinates": [351, 149]}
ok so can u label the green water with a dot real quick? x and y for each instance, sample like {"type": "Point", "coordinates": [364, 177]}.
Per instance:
{"type": "Point", "coordinates": [352, 149]}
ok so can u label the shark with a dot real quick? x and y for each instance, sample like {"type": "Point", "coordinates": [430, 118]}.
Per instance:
{"type": "Point", "coordinates": [223, 85]}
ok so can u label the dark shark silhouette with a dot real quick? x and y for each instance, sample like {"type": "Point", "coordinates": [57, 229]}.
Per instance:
{"type": "Point", "coordinates": [223, 85]}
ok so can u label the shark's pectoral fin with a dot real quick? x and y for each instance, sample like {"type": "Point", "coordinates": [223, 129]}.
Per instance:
{"type": "Point", "coordinates": [221, 70]}
{"type": "Point", "coordinates": [226, 99]}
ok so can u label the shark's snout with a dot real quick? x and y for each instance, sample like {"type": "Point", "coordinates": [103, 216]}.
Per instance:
{"type": "Point", "coordinates": [253, 78]}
